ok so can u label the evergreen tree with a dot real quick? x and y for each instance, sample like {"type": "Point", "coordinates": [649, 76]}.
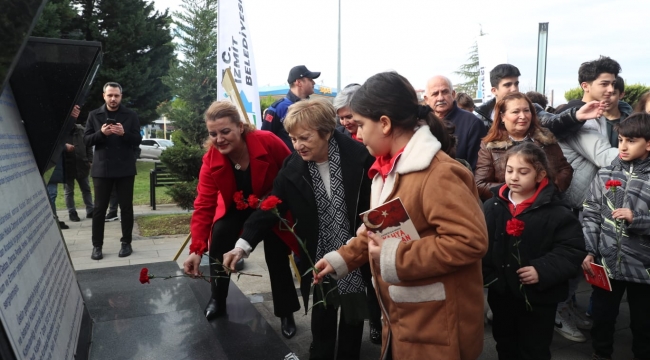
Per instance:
{"type": "Point", "coordinates": [193, 78]}
{"type": "Point", "coordinates": [58, 20]}
{"type": "Point", "coordinates": [137, 51]}
{"type": "Point", "coordinates": [469, 72]}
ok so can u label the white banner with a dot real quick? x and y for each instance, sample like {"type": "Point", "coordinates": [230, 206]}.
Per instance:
{"type": "Point", "coordinates": [490, 54]}
{"type": "Point", "coordinates": [235, 50]}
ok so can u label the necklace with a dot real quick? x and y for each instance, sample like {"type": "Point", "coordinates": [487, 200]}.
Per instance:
{"type": "Point", "coordinates": [237, 165]}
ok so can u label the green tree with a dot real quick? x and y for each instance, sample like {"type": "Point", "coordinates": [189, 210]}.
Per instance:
{"type": "Point", "coordinates": [58, 20]}
{"type": "Point", "coordinates": [137, 51]}
{"type": "Point", "coordinates": [193, 80]}
{"type": "Point", "coordinates": [469, 71]}
{"type": "Point", "coordinates": [573, 94]}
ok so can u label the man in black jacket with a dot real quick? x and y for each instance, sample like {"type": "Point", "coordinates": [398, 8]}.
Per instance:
{"type": "Point", "coordinates": [469, 130]}
{"type": "Point", "coordinates": [114, 130]}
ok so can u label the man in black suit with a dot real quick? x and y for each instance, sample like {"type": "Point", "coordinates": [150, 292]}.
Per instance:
{"type": "Point", "coordinates": [114, 131]}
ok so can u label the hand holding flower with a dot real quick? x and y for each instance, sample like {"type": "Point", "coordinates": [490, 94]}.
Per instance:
{"type": "Point", "coordinates": [528, 275]}
{"type": "Point", "coordinates": [191, 265]}
{"type": "Point", "coordinates": [324, 268]}
{"type": "Point", "coordinates": [231, 257]}
{"type": "Point", "coordinates": [623, 214]}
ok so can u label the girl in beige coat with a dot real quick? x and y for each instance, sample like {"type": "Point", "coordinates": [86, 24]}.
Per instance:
{"type": "Point", "coordinates": [431, 289]}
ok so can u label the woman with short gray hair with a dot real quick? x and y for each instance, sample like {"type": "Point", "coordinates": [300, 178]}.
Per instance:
{"type": "Point", "coordinates": [343, 113]}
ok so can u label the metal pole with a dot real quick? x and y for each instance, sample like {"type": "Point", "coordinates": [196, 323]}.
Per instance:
{"type": "Point", "coordinates": [338, 70]}
{"type": "Point", "coordinates": [542, 46]}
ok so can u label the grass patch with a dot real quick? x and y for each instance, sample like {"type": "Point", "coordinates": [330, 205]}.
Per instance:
{"type": "Point", "coordinates": [154, 225]}
{"type": "Point", "coordinates": [140, 190]}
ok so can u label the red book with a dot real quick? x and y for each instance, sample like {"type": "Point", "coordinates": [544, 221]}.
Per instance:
{"type": "Point", "coordinates": [600, 277]}
{"type": "Point", "coordinates": [391, 221]}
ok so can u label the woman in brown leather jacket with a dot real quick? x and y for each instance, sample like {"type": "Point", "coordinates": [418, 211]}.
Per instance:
{"type": "Point", "coordinates": [515, 122]}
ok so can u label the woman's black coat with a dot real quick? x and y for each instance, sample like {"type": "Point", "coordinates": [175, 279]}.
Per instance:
{"type": "Point", "coordinates": [293, 186]}
{"type": "Point", "coordinates": [552, 242]}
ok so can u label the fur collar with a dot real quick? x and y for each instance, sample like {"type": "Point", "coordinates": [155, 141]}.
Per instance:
{"type": "Point", "coordinates": [417, 156]}
{"type": "Point", "coordinates": [542, 137]}
{"type": "Point", "coordinates": [419, 152]}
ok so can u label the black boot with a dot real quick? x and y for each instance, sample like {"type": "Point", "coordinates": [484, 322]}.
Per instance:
{"type": "Point", "coordinates": [97, 253]}
{"type": "Point", "coordinates": [74, 217]}
{"type": "Point", "coordinates": [63, 225]}
{"type": "Point", "coordinates": [288, 326]}
{"type": "Point", "coordinates": [213, 310]}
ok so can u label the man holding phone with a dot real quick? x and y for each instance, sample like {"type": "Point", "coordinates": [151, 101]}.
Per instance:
{"type": "Point", "coordinates": [114, 131]}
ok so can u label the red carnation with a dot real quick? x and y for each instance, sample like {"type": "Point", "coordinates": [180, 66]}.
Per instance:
{"type": "Point", "coordinates": [514, 227]}
{"type": "Point", "coordinates": [612, 183]}
{"type": "Point", "coordinates": [270, 202]}
{"type": "Point", "coordinates": [253, 201]}
{"type": "Point", "coordinates": [239, 200]}
{"type": "Point", "coordinates": [144, 276]}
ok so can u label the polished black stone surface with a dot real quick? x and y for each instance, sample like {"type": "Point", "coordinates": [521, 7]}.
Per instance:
{"type": "Point", "coordinates": [164, 319]}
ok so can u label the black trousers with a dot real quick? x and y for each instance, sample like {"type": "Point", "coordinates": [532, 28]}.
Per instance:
{"type": "Point", "coordinates": [103, 188]}
{"type": "Point", "coordinates": [521, 334]}
{"type": "Point", "coordinates": [324, 332]}
{"type": "Point", "coordinates": [225, 233]}
{"type": "Point", "coordinates": [605, 311]}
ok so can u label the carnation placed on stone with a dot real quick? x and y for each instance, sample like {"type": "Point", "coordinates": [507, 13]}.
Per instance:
{"type": "Point", "coordinates": [144, 276]}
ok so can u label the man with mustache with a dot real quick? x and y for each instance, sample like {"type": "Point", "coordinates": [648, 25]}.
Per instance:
{"type": "Point", "coordinates": [114, 131]}
{"type": "Point", "coordinates": [469, 131]}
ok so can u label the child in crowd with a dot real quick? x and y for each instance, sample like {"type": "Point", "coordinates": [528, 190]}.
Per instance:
{"type": "Point", "coordinates": [536, 246]}
{"type": "Point", "coordinates": [617, 234]}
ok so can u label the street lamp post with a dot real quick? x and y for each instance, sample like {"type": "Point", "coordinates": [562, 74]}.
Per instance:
{"type": "Point", "coordinates": [338, 70]}
{"type": "Point", "coordinates": [542, 46]}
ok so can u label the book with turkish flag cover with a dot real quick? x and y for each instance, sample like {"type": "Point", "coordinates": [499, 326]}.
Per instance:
{"type": "Point", "coordinates": [391, 221]}
{"type": "Point", "coordinates": [600, 277]}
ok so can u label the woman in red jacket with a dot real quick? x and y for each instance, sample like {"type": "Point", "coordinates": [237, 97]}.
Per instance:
{"type": "Point", "coordinates": [239, 159]}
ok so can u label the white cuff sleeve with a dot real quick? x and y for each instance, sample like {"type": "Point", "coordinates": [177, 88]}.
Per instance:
{"type": "Point", "coordinates": [387, 260]}
{"type": "Point", "coordinates": [340, 267]}
{"type": "Point", "coordinates": [244, 245]}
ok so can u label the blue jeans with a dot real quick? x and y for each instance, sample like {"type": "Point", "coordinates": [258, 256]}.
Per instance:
{"type": "Point", "coordinates": [84, 186]}
{"type": "Point", "coordinates": [52, 192]}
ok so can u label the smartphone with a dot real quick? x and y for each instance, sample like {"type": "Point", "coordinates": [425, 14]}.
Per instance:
{"type": "Point", "coordinates": [111, 122]}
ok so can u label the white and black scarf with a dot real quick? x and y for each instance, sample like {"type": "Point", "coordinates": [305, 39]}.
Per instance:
{"type": "Point", "coordinates": [333, 223]}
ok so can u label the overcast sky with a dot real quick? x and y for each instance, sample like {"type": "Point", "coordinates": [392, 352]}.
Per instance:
{"type": "Point", "coordinates": [422, 38]}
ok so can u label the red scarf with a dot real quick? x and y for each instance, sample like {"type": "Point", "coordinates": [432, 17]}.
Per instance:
{"type": "Point", "coordinates": [519, 208]}
{"type": "Point", "coordinates": [384, 164]}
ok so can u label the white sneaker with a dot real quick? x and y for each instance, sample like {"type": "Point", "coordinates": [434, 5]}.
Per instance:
{"type": "Point", "coordinates": [581, 321]}
{"type": "Point", "coordinates": [565, 326]}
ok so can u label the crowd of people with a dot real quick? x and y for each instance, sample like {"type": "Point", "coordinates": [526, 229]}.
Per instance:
{"type": "Point", "coordinates": [511, 196]}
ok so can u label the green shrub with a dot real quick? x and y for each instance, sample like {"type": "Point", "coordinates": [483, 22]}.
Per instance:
{"type": "Point", "coordinates": [573, 94]}
{"type": "Point", "coordinates": [183, 194]}
{"type": "Point", "coordinates": [184, 162]}
{"type": "Point", "coordinates": [265, 102]}
{"type": "Point", "coordinates": [633, 93]}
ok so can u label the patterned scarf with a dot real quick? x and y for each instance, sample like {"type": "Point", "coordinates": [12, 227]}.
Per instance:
{"type": "Point", "coordinates": [333, 224]}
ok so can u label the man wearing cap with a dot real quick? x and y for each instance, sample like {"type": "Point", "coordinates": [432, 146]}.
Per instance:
{"type": "Point", "coordinates": [301, 85]}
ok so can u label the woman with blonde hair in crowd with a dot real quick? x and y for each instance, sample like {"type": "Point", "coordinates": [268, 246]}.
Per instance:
{"type": "Point", "coordinates": [240, 161]}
